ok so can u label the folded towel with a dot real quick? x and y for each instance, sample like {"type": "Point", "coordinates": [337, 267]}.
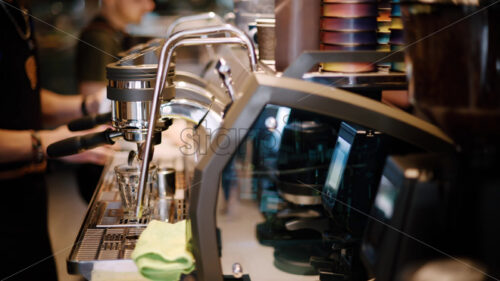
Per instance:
{"type": "Point", "coordinates": [98, 275]}
{"type": "Point", "coordinates": [161, 253]}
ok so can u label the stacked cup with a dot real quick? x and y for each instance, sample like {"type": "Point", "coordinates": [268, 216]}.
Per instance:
{"type": "Point", "coordinates": [396, 41]}
{"type": "Point", "coordinates": [349, 25]}
{"type": "Point", "coordinates": [383, 31]}
{"type": "Point", "coordinates": [384, 24]}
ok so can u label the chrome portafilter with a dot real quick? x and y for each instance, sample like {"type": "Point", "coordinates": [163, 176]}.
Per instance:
{"type": "Point", "coordinates": [130, 88]}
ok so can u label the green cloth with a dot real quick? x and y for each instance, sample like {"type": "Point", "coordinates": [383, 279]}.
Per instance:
{"type": "Point", "coordinates": [161, 251]}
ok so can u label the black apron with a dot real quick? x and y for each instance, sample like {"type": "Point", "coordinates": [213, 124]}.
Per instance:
{"type": "Point", "coordinates": [24, 240]}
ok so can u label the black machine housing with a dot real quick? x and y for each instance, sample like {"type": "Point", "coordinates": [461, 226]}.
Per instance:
{"type": "Point", "coordinates": [408, 217]}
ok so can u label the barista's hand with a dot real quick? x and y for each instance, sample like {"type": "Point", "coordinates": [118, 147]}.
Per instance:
{"type": "Point", "coordinates": [398, 98]}
{"type": "Point", "coordinates": [97, 155]}
{"type": "Point", "coordinates": [97, 102]}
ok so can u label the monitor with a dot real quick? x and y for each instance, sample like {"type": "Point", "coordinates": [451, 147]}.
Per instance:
{"type": "Point", "coordinates": [353, 177]}
{"type": "Point", "coordinates": [409, 207]}
{"type": "Point", "coordinates": [390, 192]}
{"type": "Point", "coordinates": [337, 167]}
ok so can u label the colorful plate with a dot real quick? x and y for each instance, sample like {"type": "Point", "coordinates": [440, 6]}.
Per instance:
{"type": "Point", "coordinates": [348, 67]}
{"type": "Point", "coordinates": [340, 37]}
{"type": "Point", "coordinates": [347, 47]}
{"type": "Point", "coordinates": [348, 1]}
{"type": "Point", "coordinates": [342, 10]}
{"type": "Point", "coordinates": [348, 24]}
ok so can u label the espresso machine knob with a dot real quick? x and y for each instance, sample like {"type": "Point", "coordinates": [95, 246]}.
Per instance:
{"type": "Point", "coordinates": [237, 270]}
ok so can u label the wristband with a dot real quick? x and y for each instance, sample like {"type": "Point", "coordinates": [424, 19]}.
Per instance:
{"type": "Point", "coordinates": [83, 107]}
{"type": "Point", "coordinates": [38, 154]}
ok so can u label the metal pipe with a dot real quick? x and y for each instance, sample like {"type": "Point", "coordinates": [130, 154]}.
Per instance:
{"type": "Point", "coordinates": [204, 16]}
{"type": "Point", "coordinates": [219, 29]}
{"type": "Point", "coordinates": [177, 40]}
{"type": "Point", "coordinates": [181, 20]}
{"type": "Point", "coordinates": [194, 112]}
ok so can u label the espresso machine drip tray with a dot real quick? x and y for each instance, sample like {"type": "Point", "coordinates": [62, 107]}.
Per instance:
{"type": "Point", "coordinates": [110, 214]}
{"type": "Point", "coordinates": [106, 237]}
{"type": "Point", "coordinates": [107, 244]}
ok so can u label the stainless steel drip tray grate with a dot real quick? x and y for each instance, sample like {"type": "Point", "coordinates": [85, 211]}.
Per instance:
{"type": "Point", "coordinates": [106, 238]}
{"type": "Point", "coordinates": [89, 246]}
{"type": "Point", "coordinates": [110, 214]}
{"type": "Point", "coordinates": [108, 244]}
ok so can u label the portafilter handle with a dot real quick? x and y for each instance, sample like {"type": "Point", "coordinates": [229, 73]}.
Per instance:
{"type": "Point", "coordinates": [75, 145]}
{"type": "Point", "coordinates": [89, 122]}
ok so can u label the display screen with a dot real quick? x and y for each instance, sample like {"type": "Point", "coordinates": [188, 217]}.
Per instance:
{"type": "Point", "coordinates": [382, 212]}
{"type": "Point", "coordinates": [336, 170]}
{"type": "Point", "coordinates": [385, 200]}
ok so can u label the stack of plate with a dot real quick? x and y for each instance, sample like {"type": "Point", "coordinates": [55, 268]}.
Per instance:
{"type": "Point", "coordinates": [349, 25]}
{"type": "Point", "coordinates": [396, 40]}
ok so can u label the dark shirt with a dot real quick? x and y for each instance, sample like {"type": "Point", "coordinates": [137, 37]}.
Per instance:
{"type": "Point", "coordinates": [20, 102]}
{"type": "Point", "coordinates": [101, 45]}
{"type": "Point", "coordinates": [25, 240]}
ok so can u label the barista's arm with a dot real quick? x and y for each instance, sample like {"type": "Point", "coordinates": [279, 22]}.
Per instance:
{"type": "Point", "coordinates": [60, 109]}
{"type": "Point", "coordinates": [17, 146]}
{"type": "Point", "coordinates": [87, 88]}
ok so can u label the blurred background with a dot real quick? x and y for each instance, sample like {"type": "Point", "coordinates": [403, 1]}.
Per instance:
{"type": "Point", "coordinates": [58, 25]}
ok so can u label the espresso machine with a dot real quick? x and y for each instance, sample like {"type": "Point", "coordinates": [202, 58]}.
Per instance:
{"type": "Point", "coordinates": [132, 83]}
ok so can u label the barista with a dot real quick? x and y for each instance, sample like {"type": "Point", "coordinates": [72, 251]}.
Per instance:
{"type": "Point", "coordinates": [101, 42]}
{"type": "Point", "coordinates": [24, 108]}
{"type": "Point", "coordinates": [104, 38]}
